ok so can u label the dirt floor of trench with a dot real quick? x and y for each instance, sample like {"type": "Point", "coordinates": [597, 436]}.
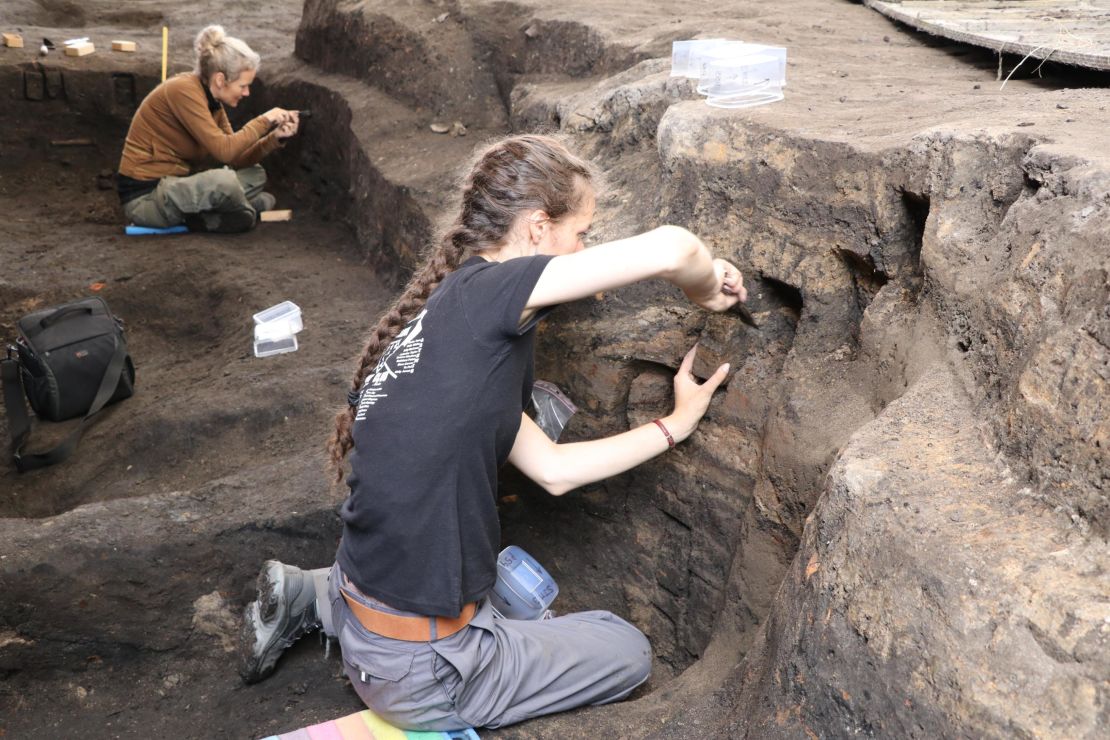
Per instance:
{"type": "Point", "coordinates": [204, 409]}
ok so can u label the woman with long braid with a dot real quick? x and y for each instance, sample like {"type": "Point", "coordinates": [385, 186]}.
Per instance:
{"type": "Point", "coordinates": [435, 406]}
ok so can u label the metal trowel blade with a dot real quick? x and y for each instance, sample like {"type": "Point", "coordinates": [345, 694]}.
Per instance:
{"type": "Point", "coordinates": [745, 315]}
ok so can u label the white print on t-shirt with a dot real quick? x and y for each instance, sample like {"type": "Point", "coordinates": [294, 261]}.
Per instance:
{"type": "Point", "coordinates": [401, 356]}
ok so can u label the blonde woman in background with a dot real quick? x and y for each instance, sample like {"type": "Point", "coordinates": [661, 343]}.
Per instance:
{"type": "Point", "coordinates": [182, 163]}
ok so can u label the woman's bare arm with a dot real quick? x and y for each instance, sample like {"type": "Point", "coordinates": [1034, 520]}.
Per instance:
{"type": "Point", "coordinates": [563, 467]}
{"type": "Point", "coordinates": [668, 252]}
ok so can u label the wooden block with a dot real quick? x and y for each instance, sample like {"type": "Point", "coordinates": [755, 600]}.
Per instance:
{"type": "Point", "coordinates": [285, 215]}
{"type": "Point", "coordinates": [124, 46]}
{"type": "Point", "coordinates": [80, 50]}
{"type": "Point", "coordinates": [13, 40]}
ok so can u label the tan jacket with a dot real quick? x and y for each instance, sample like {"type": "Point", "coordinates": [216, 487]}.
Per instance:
{"type": "Point", "coordinates": [175, 133]}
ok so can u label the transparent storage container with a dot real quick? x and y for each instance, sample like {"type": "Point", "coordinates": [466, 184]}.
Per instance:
{"type": "Point", "coordinates": [742, 82]}
{"type": "Point", "coordinates": [277, 346]}
{"type": "Point", "coordinates": [523, 589]}
{"type": "Point", "coordinates": [682, 51]}
{"type": "Point", "coordinates": [732, 74]}
{"type": "Point", "coordinates": [281, 320]}
{"type": "Point", "coordinates": [274, 330]}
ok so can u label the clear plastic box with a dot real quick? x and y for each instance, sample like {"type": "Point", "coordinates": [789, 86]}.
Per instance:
{"type": "Point", "coordinates": [741, 82]}
{"type": "Point", "coordinates": [778, 53]}
{"type": "Point", "coordinates": [273, 330]}
{"type": "Point", "coordinates": [524, 589]}
{"type": "Point", "coordinates": [692, 58]}
{"type": "Point", "coordinates": [277, 346]}
{"type": "Point", "coordinates": [739, 58]}
{"type": "Point", "coordinates": [682, 51]}
{"type": "Point", "coordinates": [731, 73]}
{"type": "Point", "coordinates": [701, 57]}
{"type": "Point", "coordinates": [281, 320]}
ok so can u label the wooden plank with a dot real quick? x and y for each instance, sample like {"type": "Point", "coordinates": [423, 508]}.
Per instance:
{"type": "Point", "coordinates": [1055, 30]}
{"type": "Point", "coordinates": [80, 50]}
{"type": "Point", "coordinates": [129, 46]}
{"type": "Point", "coordinates": [13, 40]}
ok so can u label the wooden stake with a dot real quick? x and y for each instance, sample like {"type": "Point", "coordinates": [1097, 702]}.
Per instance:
{"type": "Point", "coordinates": [165, 49]}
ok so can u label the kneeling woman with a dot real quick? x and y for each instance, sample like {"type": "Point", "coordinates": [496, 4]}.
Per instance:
{"type": "Point", "coordinates": [166, 174]}
{"type": "Point", "coordinates": [436, 405]}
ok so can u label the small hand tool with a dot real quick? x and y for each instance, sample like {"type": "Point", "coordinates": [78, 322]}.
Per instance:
{"type": "Point", "coordinates": [745, 315]}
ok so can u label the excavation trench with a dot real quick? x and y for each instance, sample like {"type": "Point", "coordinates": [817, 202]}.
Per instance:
{"type": "Point", "coordinates": [124, 569]}
{"type": "Point", "coordinates": [686, 545]}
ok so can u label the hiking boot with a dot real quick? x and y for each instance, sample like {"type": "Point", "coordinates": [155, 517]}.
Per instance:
{"type": "Point", "coordinates": [221, 222]}
{"type": "Point", "coordinates": [284, 611]}
{"type": "Point", "coordinates": [263, 202]}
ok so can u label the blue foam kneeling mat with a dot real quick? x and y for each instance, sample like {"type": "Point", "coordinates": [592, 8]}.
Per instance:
{"type": "Point", "coordinates": [133, 230]}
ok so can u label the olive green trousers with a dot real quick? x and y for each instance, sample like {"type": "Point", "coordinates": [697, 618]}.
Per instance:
{"type": "Point", "coordinates": [236, 193]}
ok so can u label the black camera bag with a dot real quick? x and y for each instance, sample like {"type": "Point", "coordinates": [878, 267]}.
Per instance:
{"type": "Point", "coordinates": [71, 361]}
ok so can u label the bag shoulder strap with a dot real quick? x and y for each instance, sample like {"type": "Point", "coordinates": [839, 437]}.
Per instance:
{"type": "Point", "coordinates": [20, 426]}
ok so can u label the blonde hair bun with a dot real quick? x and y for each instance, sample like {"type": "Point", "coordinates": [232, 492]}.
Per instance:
{"type": "Point", "coordinates": [209, 38]}
{"type": "Point", "coordinates": [218, 52]}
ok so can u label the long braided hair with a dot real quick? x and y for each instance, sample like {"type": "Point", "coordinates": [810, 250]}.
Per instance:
{"type": "Point", "coordinates": [513, 176]}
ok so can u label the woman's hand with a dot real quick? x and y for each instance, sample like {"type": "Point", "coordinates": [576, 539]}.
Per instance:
{"type": "Point", "coordinates": [278, 116]}
{"type": "Point", "coordinates": [563, 467]}
{"type": "Point", "coordinates": [732, 281]}
{"type": "Point", "coordinates": [728, 288]}
{"type": "Point", "coordinates": [691, 399]}
{"type": "Point", "coordinates": [287, 129]}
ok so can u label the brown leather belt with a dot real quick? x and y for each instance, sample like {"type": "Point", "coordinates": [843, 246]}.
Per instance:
{"type": "Point", "coordinates": [410, 629]}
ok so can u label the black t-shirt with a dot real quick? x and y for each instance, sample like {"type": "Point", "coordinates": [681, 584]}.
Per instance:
{"type": "Point", "coordinates": [437, 417]}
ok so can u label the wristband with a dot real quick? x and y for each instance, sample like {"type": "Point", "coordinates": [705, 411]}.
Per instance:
{"type": "Point", "coordinates": [670, 439]}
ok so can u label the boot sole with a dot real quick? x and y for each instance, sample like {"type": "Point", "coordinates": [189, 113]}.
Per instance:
{"type": "Point", "coordinates": [269, 584]}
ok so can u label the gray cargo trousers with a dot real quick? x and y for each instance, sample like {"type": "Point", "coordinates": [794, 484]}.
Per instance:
{"type": "Point", "coordinates": [492, 673]}
{"type": "Point", "coordinates": [221, 190]}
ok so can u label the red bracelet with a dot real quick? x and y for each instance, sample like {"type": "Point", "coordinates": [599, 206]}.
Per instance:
{"type": "Point", "coordinates": [670, 439]}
